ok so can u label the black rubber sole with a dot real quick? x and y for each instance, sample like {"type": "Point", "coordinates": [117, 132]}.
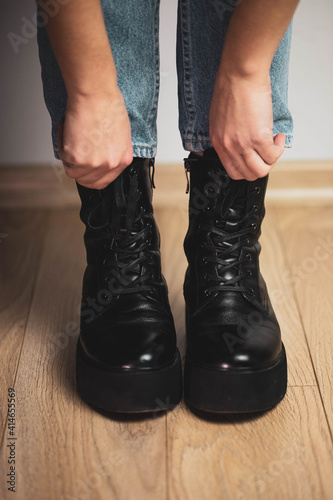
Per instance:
{"type": "Point", "coordinates": [235, 391]}
{"type": "Point", "coordinates": [128, 392]}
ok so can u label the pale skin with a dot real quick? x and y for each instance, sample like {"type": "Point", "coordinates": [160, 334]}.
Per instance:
{"type": "Point", "coordinates": [95, 138]}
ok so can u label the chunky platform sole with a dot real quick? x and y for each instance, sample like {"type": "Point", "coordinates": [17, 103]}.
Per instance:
{"type": "Point", "coordinates": [236, 391]}
{"type": "Point", "coordinates": [128, 392]}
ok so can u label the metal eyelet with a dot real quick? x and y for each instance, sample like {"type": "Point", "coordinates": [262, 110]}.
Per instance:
{"type": "Point", "coordinates": [250, 291]}
{"type": "Point", "coordinates": [249, 273]}
{"type": "Point", "coordinates": [255, 208]}
{"type": "Point", "coordinates": [104, 261]}
{"type": "Point", "coordinates": [257, 189]}
{"type": "Point", "coordinates": [207, 293]}
{"type": "Point", "coordinates": [105, 296]}
{"type": "Point", "coordinates": [204, 260]}
{"type": "Point", "coordinates": [247, 241]}
{"type": "Point", "coordinates": [249, 257]}
{"type": "Point", "coordinates": [254, 226]}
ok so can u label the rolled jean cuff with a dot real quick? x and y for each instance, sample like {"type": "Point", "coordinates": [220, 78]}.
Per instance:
{"type": "Point", "coordinates": [198, 145]}
{"type": "Point", "coordinates": [144, 151]}
{"type": "Point", "coordinates": [138, 152]}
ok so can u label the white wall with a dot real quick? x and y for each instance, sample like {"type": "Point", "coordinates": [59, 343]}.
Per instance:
{"type": "Point", "coordinates": [25, 124]}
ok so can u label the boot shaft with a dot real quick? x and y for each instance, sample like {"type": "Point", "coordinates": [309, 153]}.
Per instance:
{"type": "Point", "coordinates": [121, 238]}
{"type": "Point", "coordinates": [222, 242]}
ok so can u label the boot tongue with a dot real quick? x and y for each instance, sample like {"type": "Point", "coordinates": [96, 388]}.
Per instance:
{"type": "Point", "coordinates": [229, 209]}
{"type": "Point", "coordinates": [126, 223]}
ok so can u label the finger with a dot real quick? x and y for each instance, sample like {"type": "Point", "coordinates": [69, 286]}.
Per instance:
{"type": "Point", "coordinates": [255, 165]}
{"type": "Point", "coordinates": [230, 165]}
{"type": "Point", "coordinates": [280, 144]}
{"type": "Point", "coordinates": [66, 156]}
{"type": "Point", "coordinates": [94, 181]}
{"type": "Point", "coordinates": [272, 151]}
{"type": "Point", "coordinates": [72, 171]}
{"type": "Point", "coordinates": [237, 168]}
{"type": "Point", "coordinates": [244, 170]}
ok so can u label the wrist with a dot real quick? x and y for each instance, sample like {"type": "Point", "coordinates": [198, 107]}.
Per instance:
{"type": "Point", "coordinates": [249, 71]}
{"type": "Point", "coordinates": [246, 68]}
{"type": "Point", "coordinates": [91, 77]}
{"type": "Point", "coordinates": [93, 91]}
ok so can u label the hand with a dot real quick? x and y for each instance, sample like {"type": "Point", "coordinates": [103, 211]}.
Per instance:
{"type": "Point", "coordinates": [241, 126]}
{"type": "Point", "coordinates": [95, 139]}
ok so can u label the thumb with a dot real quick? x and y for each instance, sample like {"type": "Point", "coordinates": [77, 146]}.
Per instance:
{"type": "Point", "coordinates": [279, 144]}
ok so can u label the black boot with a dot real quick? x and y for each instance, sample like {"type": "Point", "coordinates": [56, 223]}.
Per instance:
{"type": "Point", "coordinates": [235, 360]}
{"type": "Point", "coordinates": [127, 359]}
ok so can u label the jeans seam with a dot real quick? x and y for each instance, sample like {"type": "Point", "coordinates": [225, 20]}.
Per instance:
{"type": "Point", "coordinates": [187, 77]}
{"type": "Point", "coordinates": [152, 114]}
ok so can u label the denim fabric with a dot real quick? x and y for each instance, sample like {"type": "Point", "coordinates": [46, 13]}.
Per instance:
{"type": "Point", "coordinates": [201, 31]}
{"type": "Point", "coordinates": [132, 28]}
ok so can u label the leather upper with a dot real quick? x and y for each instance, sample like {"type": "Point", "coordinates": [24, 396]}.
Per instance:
{"type": "Point", "coordinates": [126, 322]}
{"type": "Point", "coordinates": [230, 320]}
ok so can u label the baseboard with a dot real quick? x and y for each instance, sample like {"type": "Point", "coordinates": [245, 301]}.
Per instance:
{"type": "Point", "coordinates": [291, 183]}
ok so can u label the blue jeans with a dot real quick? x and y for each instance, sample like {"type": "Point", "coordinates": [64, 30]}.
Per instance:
{"type": "Point", "coordinates": [133, 28]}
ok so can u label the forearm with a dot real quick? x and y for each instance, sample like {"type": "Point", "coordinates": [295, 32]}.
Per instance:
{"type": "Point", "coordinates": [78, 37]}
{"type": "Point", "coordinates": [255, 31]}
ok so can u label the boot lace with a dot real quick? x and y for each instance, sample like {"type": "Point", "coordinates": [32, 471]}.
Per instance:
{"type": "Point", "coordinates": [129, 259]}
{"type": "Point", "coordinates": [223, 248]}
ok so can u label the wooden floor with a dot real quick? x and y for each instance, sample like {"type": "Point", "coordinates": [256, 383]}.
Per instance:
{"type": "Point", "coordinates": [66, 450]}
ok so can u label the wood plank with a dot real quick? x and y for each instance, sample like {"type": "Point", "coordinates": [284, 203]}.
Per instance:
{"type": "Point", "coordinates": [308, 240]}
{"type": "Point", "coordinates": [37, 187]}
{"type": "Point", "coordinates": [173, 224]}
{"type": "Point", "coordinates": [285, 453]}
{"type": "Point", "coordinates": [21, 237]}
{"type": "Point", "coordinates": [66, 449]}
{"type": "Point", "coordinates": [276, 273]}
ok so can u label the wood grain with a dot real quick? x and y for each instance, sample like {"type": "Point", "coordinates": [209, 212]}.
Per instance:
{"type": "Point", "coordinates": [21, 237]}
{"type": "Point", "coordinates": [277, 275]}
{"type": "Point", "coordinates": [308, 240]}
{"type": "Point", "coordinates": [65, 449]}
{"type": "Point", "coordinates": [173, 224]}
{"type": "Point", "coordinates": [285, 453]}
